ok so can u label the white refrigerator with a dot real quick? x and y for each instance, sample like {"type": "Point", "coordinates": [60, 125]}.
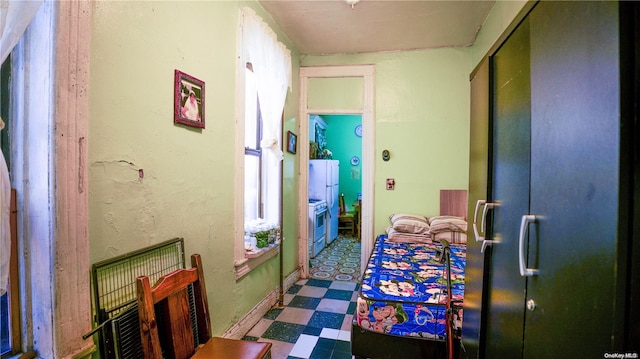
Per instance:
{"type": "Point", "coordinates": [323, 184]}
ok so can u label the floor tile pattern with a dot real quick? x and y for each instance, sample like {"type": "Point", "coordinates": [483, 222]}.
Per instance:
{"type": "Point", "coordinates": [314, 323]}
{"type": "Point", "coordinates": [340, 261]}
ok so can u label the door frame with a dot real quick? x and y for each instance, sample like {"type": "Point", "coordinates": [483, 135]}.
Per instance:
{"type": "Point", "coordinates": [366, 72]}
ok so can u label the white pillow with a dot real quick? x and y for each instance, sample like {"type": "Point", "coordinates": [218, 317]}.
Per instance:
{"type": "Point", "coordinates": [447, 224]}
{"type": "Point", "coordinates": [409, 223]}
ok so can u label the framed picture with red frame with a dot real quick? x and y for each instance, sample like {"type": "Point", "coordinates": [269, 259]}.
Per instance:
{"type": "Point", "coordinates": [188, 100]}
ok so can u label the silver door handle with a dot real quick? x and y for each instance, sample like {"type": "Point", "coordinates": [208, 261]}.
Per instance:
{"type": "Point", "coordinates": [487, 207]}
{"type": "Point", "coordinates": [483, 220]}
{"type": "Point", "coordinates": [475, 217]}
{"type": "Point", "coordinates": [524, 227]}
{"type": "Point", "coordinates": [485, 244]}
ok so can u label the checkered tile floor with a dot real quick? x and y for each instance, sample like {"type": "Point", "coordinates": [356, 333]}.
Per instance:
{"type": "Point", "coordinates": [315, 322]}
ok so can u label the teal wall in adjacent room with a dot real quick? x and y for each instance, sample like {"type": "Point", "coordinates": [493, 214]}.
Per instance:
{"type": "Point", "coordinates": [345, 144]}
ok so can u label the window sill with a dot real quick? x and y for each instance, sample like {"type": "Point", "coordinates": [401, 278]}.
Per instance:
{"type": "Point", "coordinates": [254, 260]}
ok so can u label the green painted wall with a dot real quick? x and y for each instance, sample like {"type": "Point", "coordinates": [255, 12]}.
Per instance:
{"type": "Point", "coordinates": [151, 180]}
{"type": "Point", "coordinates": [332, 93]}
{"type": "Point", "coordinates": [422, 117]}
{"type": "Point", "coordinates": [186, 187]}
{"type": "Point", "coordinates": [343, 142]}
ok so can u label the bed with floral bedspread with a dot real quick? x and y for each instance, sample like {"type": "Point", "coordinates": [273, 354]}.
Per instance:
{"type": "Point", "coordinates": [403, 295]}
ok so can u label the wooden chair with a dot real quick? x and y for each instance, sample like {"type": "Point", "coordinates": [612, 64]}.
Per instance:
{"type": "Point", "coordinates": [346, 220]}
{"type": "Point", "coordinates": [172, 329]}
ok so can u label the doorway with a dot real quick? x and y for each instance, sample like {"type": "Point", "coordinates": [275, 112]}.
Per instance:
{"type": "Point", "coordinates": [335, 183]}
{"type": "Point", "coordinates": [365, 86]}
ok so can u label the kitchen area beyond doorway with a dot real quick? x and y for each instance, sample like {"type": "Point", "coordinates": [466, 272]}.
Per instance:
{"type": "Point", "coordinates": [335, 190]}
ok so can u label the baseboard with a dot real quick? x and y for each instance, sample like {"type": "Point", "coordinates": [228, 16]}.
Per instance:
{"type": "Point", "coordinates": [238, 330]}
{"type": "Point", "coordinates": [85, 353]}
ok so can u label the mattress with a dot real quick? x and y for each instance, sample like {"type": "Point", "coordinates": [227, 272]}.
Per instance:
{"type": "Point", "coordinates": [403, 290]}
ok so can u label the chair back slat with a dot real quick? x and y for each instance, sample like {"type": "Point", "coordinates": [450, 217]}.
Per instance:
{"type": "Point", "coordinates": [173, 282]}
{"type": "Point", "coordinates": [170, 296]}
{"type": "Point", "coordinates": [148, 326]}
{"type": "Point", "coordinates": [178, 335]}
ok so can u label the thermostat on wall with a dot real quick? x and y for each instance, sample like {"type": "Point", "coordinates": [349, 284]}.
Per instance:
{"type": "Point", "coordinates": [386, 155]}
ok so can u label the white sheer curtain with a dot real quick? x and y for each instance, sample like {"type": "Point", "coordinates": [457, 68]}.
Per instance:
{"type": "Point", "coordinates": [271, 61]}
{"type": "Point", "coordinates": [15, 16]}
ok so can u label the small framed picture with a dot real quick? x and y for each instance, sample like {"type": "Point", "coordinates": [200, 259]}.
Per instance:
{"type": "Point", "coordinates": [188, 100]}
{"type": "Point", "coordinates": [292, 142]}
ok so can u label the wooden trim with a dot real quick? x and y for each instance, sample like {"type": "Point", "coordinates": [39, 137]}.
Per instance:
{"type": "Point", "coordinates": [27, 355]}
{"type": "Point", "coordinates": [367, 72]}
{"type": "Point", "coordinates": [85, 353]}
{"type": "Point", "coordinates": [70, 241]}
{"type": "Point", "coordinates": [477, 68]}
{"type": "Point", "coordinates": [246, 265]}
{"type": "Point", "coordinates": [14, 288]}
{"type": "Point", "coordinates": [244, 325]}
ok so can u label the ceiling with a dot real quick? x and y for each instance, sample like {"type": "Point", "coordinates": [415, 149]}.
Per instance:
{"type": "Point", "coordinates": [317, 27]}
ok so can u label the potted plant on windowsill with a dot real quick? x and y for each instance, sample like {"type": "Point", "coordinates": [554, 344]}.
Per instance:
{"type": "Point", "coordinates": [260, 234]}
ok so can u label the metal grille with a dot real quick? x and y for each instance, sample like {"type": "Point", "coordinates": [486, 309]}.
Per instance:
{"type": "Point", "coordinates": [126, 333]}
{"type": "Point", "coordinates": [114, 295]}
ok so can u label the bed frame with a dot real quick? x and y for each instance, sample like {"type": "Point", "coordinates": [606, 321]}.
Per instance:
{"type": "Point", "coordinates": [453, 202]}
{"type": "Point", "coordinates": [368, 344]}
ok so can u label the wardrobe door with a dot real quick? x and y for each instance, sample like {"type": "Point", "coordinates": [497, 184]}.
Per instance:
{"type": "Point", "coordinates": [575, 142]}
{"type": "Point", "coordinates": [509, 190]}
{"type": "Point", "coordinates": [478, 167]}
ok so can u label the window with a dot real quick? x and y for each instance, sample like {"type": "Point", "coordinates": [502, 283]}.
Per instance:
{"type": "Point", "coordinates": [265, 77]}
{"type": "Point", "coordinates": [262, 175]}
{"type": "Point", "coordinates": [252, 151]}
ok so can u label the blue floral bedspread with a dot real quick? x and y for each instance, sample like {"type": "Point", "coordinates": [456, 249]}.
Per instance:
{"type": "Point", "coordinates": [403, 290]}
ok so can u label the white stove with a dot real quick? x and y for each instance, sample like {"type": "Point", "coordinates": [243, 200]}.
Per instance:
{"type": "Point", "coordinates": [317, 226]}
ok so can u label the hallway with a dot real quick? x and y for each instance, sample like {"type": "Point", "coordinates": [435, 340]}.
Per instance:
{"type": "Point", "coordinates": [340, 261]}
{"type": "Point", "coordinates": [315, 322]}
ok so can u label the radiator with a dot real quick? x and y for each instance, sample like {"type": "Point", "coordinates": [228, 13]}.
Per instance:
{"type": "Point", "coordinates": [114, 295]}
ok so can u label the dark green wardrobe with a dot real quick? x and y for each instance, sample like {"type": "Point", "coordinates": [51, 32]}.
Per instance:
{"type": "Point", "coordinates": [558, 274]}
